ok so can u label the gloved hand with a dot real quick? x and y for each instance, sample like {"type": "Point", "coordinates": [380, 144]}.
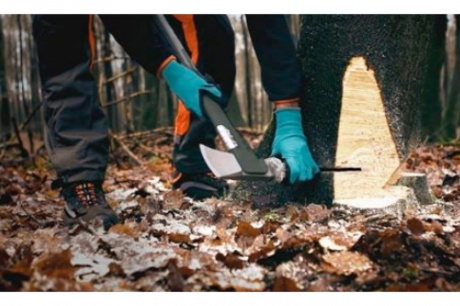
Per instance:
{"type": "Point", "coordinates": [186, 84]}
{"type": "Point", "coordinates": [291, 143]}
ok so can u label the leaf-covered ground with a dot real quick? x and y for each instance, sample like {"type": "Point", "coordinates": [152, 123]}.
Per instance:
{"type": "Point", "coordinates": [171, 243]}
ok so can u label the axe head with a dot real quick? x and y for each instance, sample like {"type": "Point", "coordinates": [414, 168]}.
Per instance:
{"type": "Point", "coordinates": [225, 165]}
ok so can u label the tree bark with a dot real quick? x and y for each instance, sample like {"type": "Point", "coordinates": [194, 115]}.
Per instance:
{"type": "Point", "coordinates": [35, 81]}
{"type": "Point", "coordinates": [4, 104]}
{"type": "Point", "coordinates": [247, 70]}
{"type": "Point", "coordinates": [451, 115]}
{"type": "Point", "coordinates": [380, 59]}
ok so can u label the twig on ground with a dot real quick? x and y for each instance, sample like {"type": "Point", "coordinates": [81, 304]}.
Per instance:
{"type": "Point", "coordinates": [29, 214]}
{"type": "Point", "coordinates": [126, 149]}
{"type": "Point", "coordinates": [31, 115]}
{"type": "Point", "coordinates": [121, 75]}
{"type": "Point", "coordinates": [149, 150]}
{"type": "Point", "coordinates": [16, 131]}
{"type": "Point", "coordinates": [167, 131]}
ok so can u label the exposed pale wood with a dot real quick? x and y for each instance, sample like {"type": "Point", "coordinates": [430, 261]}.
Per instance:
{"type": "Point", "coordinates": [395, 201]}
{"type": "Point", "coordinates": [364, 137]}
{"type": "Point", "coordinates": [365, 141]}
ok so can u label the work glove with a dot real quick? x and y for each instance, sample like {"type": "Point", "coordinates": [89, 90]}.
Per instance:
{"type": "Point", "coordinates": [187, 84]}
{"type": "Point", "coordinates": [291, 143]}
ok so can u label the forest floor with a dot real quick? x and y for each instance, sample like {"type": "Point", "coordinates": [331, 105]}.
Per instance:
{"type": "Point", "coordinates": [168, 242]}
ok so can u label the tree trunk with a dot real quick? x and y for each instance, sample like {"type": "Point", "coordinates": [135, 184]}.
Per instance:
{"type": "Point", "coordinates": [4, 104]}
{"type": "Point", "coordinates": [35, 81]}
{"type": "Point", "coordinates": [247, 71]}
{"type": "Point", "coordinates": [151, 112]}
{"type": "Point", "coordinates": [451, 115]}
{"type": "Point", "coordinates": [365, 81]}
{"type": "Point", "coordinates": [293, 22]}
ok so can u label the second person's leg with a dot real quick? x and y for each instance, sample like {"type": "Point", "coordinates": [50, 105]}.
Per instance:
{"type": "Point", "coordinates": [210, 42]}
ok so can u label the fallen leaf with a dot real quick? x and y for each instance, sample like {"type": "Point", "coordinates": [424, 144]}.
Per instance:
{"type": "Point", "coordinates": [4, 258]}
{"type": "Point", "coordinates": [123, 229]}
{"type": "Point", "coordinates": [392, 243]}
{"type": "Point", "coordinates": [173, 199]}
{"type": "Point", "coordinates": [283, 235]}
{"type": "Point", "coordinates": [186, 271]}
{"type": "Point", "coordinates": [264, 252]}
{"type": "Point", "coordinates": [249, 278]}
{"type": "Point", "coordinates": [346, 263]}
{"type": "Point", "coordinates": [231, 261]}
{"type": "Point", "coordinates": [283, 284]}
{"type": "Point", "coordinates": [437, 228]}
{"type": "Point", "coordinates": [175, 279]}
{"type": "Point", "coordinates": [316, 213]}
{"type": "Point", "coordinates": [457, 261]}
{"type": "Point", "coordinates": [178, 238]}
{"type": "Point", "coordinates": [444, 285]}
{"type": "Point", "coordinates": [24, 265]}
{"type": "Point", "coordinates": [416, 226]}
{"type": "Point", "coordinates": [322, 284]}
{"type": "Point", "coordinates": [245, 229]}
{"type": "Point", "coordinates": [328, 244]}
{"type": "Point", "coordinates": [55, 265]}
{"type": "Point", "coordinates": [116, 270]}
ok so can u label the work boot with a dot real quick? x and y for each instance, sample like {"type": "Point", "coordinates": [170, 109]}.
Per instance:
{"type": "Point", "coordinates": [199, 185]}
{"type": "Point", "coordinates": [86, 201]}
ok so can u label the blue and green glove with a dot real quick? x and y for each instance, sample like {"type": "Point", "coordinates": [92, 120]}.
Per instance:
{"type": "Point", "coordinates": [291, 144]}
{"type": "Point", "coordinates": [186, 84]}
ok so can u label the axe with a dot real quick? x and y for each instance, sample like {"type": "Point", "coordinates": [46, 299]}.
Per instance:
{"type": "Point", "coordinates": [239, 162]}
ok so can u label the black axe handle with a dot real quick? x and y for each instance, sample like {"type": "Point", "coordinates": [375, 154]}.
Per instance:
{"type": "Point", "coordinates": [175, 43]}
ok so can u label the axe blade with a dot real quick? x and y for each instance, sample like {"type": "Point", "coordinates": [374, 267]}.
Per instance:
{"type": "Point", "coordinates": [225, 165]}
{"type": "Point", "coordinates": [222, 164]}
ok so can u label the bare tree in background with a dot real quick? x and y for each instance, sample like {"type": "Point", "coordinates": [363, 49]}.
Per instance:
{"type": "Point", "coordinates": [451, 114]}
{"type": "Point", "coordinates": [4, 104]}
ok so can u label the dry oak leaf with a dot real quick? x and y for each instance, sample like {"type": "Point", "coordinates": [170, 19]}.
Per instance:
{"type": "Point", "coordinates": [56, 265]}
{"type": "Point", "coordinates": [283, 284]}
{"type": "Point", "coordinates": [316, 213]}
{"type": "Point", "coordinates": [245, 229]}
{"type": "Point", "coordinates": [416, 226]}
{"type": "Point", "coordinates": [231, 261]}
{"type": "Point", "coordinates": [346, 263]}
{"type": "Point", "coordinates": [173, 199]}
{"type": "Point", "coordinates": [123, 229]}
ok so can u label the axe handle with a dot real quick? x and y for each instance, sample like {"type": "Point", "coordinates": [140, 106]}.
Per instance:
{"type": "Point", "coordinates": [175, 43]}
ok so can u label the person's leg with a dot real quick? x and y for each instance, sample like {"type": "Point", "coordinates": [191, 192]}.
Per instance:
{"type": "Point", "coordinates": [76, 135]}
{"type": "Point", "coordinates": [76, 127]}
{"type": "Point", "coordinates": [210, 42]}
